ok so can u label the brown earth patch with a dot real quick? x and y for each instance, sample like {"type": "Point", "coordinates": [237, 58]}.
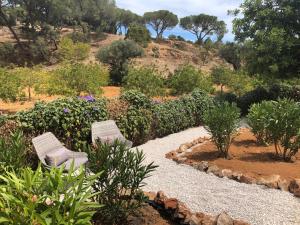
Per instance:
{"type": "Point", "coordinates": [247, 157]}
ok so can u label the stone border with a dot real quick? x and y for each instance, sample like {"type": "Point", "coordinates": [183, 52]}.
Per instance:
{"type": "Point", "coordinates": [271, 181]}
{"type": "Point", "coordinates": [181, 214]}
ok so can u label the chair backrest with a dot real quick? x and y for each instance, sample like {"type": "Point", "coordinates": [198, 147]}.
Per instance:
{"type": "Point", "coordinates": [45, 143]}
{"type": "Point", "coordinates": [105, 130]}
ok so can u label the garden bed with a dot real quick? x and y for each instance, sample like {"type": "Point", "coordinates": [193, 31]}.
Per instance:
{"type": "Point", "coordinates": [249, 163]}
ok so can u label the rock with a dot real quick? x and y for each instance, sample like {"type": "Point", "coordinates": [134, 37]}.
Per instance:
{"type": "Point", "coordinates": [294, 187]}
{"type": "Point", "coordinates": [151, 195]}
{"type": "Point", "coordinates": [171, 204]}
{"type": "Point", "coordinates": [202, 166]}
{"type": "Point", "coordinates": [227, 173]}
{"type": "Point", "coordinates": [247, 179]}
{"type": "Point", "coordinates": [213, 169]}
{"type": "Point", "coordinates": [236, 175]}
{"type": "Point", "coordinates": [182, 148]}
{"type": "Point", "coordinates": [160, 198]}
{"type": "Point", "coordinates": [269, 181]}
{"type": "Point", "coordinates": [293, 159]}
{"type": "Point", "coordinates": [182, 212]}
{"type": "Point", "coordinates": [194, 220]}
{"type": "Point", "coordinates": [283, 185]}
{"type": "Point", "coordinates": [181, 160]}
{"type": "Point", "coordinates": [224, 219]}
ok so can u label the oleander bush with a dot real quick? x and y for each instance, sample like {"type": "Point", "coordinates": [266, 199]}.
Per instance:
{"type": "Point", "coordinates": [147, 80]}
{"type": "Point", "coordinates": [119, 184]}
{"type": "Point", "coordinates": [68, 119]}
{"type": "Point", "coordinates": [37, 197]}
{"type": "Point", "coordinates": [281, 121]}
{"type": "Point", "coordinates": [136, 98]}
{"type": "Point", "coordinates": [222, 122]}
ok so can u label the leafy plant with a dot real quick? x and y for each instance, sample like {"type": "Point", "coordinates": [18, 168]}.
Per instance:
{"type": "Point", "coordinates": [10, 88]}
{"type": "Point", "coordinates": [138, 33]}
{"type": "Point", "coordinates": [146, 80]}
{"type": "Point", "coordinates": [69, 119]}
{"type": "Point", "coordinates": [78, 78]}
{"type": "Point", "coordinates": [187, 78]}
{"type": "Point", "coordinates": [37, 197]}
{"type": "Point", "coordinates": [123, 174]}
{"type": "Point", "coordinates": [70, 50]}
{"type": "Point", "coordinates": [136, 98]}
{"type": "Point", "coordinates": [221, 76]}
{"type": "Point", "coordinates": [222, 121]}
{"type": "Point", "coordinates": [117, 55]}
{"type": "Point", "coordinates": [13, 150]}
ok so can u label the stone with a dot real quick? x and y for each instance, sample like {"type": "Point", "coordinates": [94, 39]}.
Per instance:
{"type": "Point", "coordinates": [171, 203]}
{"type": "Point", "coordinates": [151, 195]}
{"type": "Point", "coordinates": [182, 148]}
{"type": "Point", "coordinates": [181, 160]}
{"type": "Point", "coordinates": [213, 169]}
{"type": "Point", "coordinates": [294, 187]}
{"type": "Point", "coordinates": [236, 175]}
{"type": "Point", "coordinates": [224, 219]}
{"type": "Point", "coordinates": [293, 159]}
{"type": "Point", "coordinates": [227, 173]}
{"type": "Point", "coordinates": [283, 185]}
{"type": "Point", "coordinates": [247, 179]}
{"type": "Point", "coordinates": [182, 211]}
{"type": "Point", "coordinates": [202, 166]}
{"type": "Point", "coordinates": [194, 220]}
{"type": "Point", "coordinates": [269, 181]}
{"type": "Point", "coordinates": [160, 198]}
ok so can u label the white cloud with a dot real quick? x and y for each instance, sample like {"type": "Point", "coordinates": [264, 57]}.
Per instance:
{"type": "Point", "coordinates": [183, 8]}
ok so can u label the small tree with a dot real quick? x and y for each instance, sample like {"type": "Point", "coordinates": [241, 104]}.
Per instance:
{"type": "Point", "coordinates": [139, 33]}
{"type": "Point", "coordinates": [187, 78]}
{"type": "Point", "coordinates": [221, 76]}
{"type": "Point", "coordinates": [160, 21]}
{"type": "Point", "coordinates": [203, 25]}
{"type": "Point", "coordinates": [117, 55]}
{"type": "Point", "coordinates": [146, 80]}
{"type": "Point", "coordinates": [70, 50]}
{"type": "Point", "coordinates": [222, 122]}
{"type": "Point", "coordinates": [77, 78]}
{"type": "Point", "coordinates": [10, 88]}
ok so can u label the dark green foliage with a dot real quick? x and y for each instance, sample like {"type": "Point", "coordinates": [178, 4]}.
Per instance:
{"type": "Point", "coordinates": [222, 123]}
{"type": "Point", "coordinates": [160, 21]}
{"type": "Point", "coordinates": [126, 19]}
{"type": "Point", "coordinates": [278, 123]}
{"type": "Point", "coordinates": [255, 96]}
{"type": "Point", "coordinates": [228, 97]}
{"type": "Point", "coordinates": [136, 99]}
{"type": "Point", "coordinates": [68, 119]}
{"type": "Point", "coordinates": [285, 91]}
{"type": "Point", "coordinates": [139, 33]}
{"type": "Point", "coordinates": [147, 80]}
{"type": "Point", "coordinates": [121, 180]}
{"type": "Point", "coordinates": [136, 125]}
{"type": "Point", "coordinates": [270, 29]}
{"type": "Point", "coordinates": [79, 37]}
{"type": "Point", "coordinates": [203, 25]}
{"type": "Point", "coordinates": [117, 56]}
{"type": "Point", "coordinates": [187, 78]}
{"type": "Point", "coordinates": [13, 150]}
{"type": "Point", "coordinates": [231, 52]}
{"type": "Point", "coordinates": [50, 197]}
{"type": "Point", "coordinates": [221, 76]}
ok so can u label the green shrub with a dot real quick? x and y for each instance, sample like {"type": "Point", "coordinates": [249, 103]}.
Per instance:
{"type": "Point", "coordinates": [121, 180]}
{"type": "Point", "coordinates": [117, 55]}
{"type": "Point", "coordinates": [222, 121]}
{"type": "Point", "coordinates": [136, 99]}
{"type": "Point", "coordinates": [78, 78]}
{"type": "Point", "coordinates": [70, 50]}
{"type": "Point", "coordinates": [187, 78]}
{"type": "Point", "coordinates": [258, 117]}
{"type": "Point", "coordinates": [228, 97]}
{"type": "Point", "coordinates": [282, 124]}
{"type": "Point", "coordinates": [77, 37]}
{"type": "Point", "coordinates": [285, 91]}
{"type": "Point", "coordinates": [146, 80]}
{"type": "Point", "coordinates": [221, 76]}
{"type": "Point", "coordinates": [68, 119]}
{"type": "Point", "coordinates": [13, 150]}
{"type": "Point", "coordinates": [37, 197]}
{"type": "Point", "coordinates": [10, 88]}
{"type": "Point", "coordinates": [136, 125]}
{"type": "Point", "coordinates": [139, 33]}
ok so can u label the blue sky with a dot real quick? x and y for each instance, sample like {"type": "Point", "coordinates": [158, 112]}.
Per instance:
{"type": "Point", "coordinates": [184, 8]}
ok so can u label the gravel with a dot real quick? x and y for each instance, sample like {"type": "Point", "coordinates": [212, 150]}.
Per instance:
{"type": "Point", "coordinates": [206, 193]}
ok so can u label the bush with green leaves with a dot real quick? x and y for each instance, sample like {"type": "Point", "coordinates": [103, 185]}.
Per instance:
{"type": "Point", "coordinates": [221, 76]}
{"type": "Point", "coordinates": [117, 55]}
{"type": "Point", "coordinates": [187, 78]}
{"type": "Point", "coordinates": [285, 91]}
{"type": "Point", "coordinates": [123, 174]}
{"type": "Point", "coordinates": [222, 122]}
{"type": "Point", "coordinates": [139, 33]}
{"type": "Point", "coordinates": [147, 80]}
{"type": "Point", "coordinates": [70, 50]}
{"type": "Point", "coordinates": [78, 78]}
{"type": "Point", "coordinates": [281, 120]}
{"type": "Point", "coordinates": [257, 118]}
{"type": "Point", "coordinates": [50, 197]}
{"type": "Point", "coordinates": [77, 37]}
{"type": "Point", "coordinates": [11, 86]}
{"type": "Point", "coordinates": [13, 151]}
{"type": "Point", "coordinates": [136, 125]}
{"type": "Point", "coordinates": [136, 98]}
{"type": "Point", "coordinates": [68, 119]}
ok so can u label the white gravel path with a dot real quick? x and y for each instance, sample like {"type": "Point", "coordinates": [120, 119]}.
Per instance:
{"type": "Point", "coordinates": [207, 193]}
